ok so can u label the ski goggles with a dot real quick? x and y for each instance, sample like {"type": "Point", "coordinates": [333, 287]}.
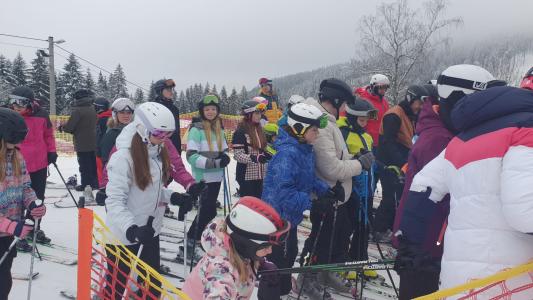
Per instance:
{"type": "Point", "coordinates": [170, 84]}
{"type": "Point", "coordinates": [370, 114]}
{"type": "Point", "coordinates": [382, 86]}
{"type": "Point", "coordinates": [277, 238]}
{"type": "Point", "coordinates": [210, 99]}
{"type": "Point", "coordinates": [162, 134]}
{"type": "Point", "coordinates": [18, 100]}
{"type": "Point", "coordinates": [125, 104]}
{"type": "Point", "coordinates": [259, 107]}
{"type": "Point", "coordinates": [264, 81]}
{"type": "Point", "coordinates": [423, 98]}
{"type": "Point", "coordinates": [320, 122]}
{"type": "Point", "coordinates": [469, 84]}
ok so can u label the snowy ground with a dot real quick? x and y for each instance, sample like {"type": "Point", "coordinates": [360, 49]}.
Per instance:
{"type": "Point", "coordinates": [61, 225]}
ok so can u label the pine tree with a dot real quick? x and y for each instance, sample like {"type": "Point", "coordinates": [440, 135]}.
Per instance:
{"type": "Point", "coordinates": [182, 102]}
{"type": "Point", "coordinates": [118, 84]}
{"type": "Point", "coordinates": [234, 102]}
{"type": "Point", "coordinates": [40, 80]}
{"type": "Point", "coordinates": [5, 86]}
{"type": "Point", "coordinates": [138, 98]}
{"type": "Point", "coordinates": [188, 99]}
{"type": "Point", "coordinates": [214, 89]}
{"type": "Point", "coordinates": [224, 99]}
{"type": "Point", "coordinates": [151, 93]}
{"type": "Point", "coordinates": [89, 83]}
{"type": "Point", "coordinates": [102, 89]}
{"type": "Point", "coordinates": [175, 98]}
{"type": "Point", "coordinates": [244, 94]}
{"type": "Point", "coordinates": [207, 89]}
{"type": "Point", "coordinates": [69, 81]}
{"type": "Point", "coordinates": [19, 74]}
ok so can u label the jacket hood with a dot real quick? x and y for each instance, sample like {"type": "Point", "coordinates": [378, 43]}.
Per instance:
{"type": "Point", "coordinates": [316, 104]}
{"type": "Point", "coordinates": [213, 239]}
{"type": "Point", "coordinates": [284, 139]}
{"type": "Point", "coordinates": [106, 113]}
{"type": "Point", "coordinates": [39, 112]}
{"type": "Point", "coordinates": [84, 102]}
{"type": "Point", "coordinates": [272, 92]}
{"type": "Point", "coordinates": [428, 118]}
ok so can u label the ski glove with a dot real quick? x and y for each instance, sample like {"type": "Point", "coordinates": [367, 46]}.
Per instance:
{"type": "Point", "coordinates": [143, 235]}
{"type": "Point", "coordinates": [37, 211]}
{"type": "Point", "coordinates": [270, 279]}
{"type": "Point", "coordinates": [184, 201]}
{"type": "Point", "coordinates": [411, 258]}
{"type": "Point", "coordinates": [393, 169]}
{"type": "Point", "coordinates": [100, 197]}
{"type": "Point", "coordinates": [324, 203]}
{"type": "Point", "coordinates": [60, 128]}
{"type": "Point", "coordinates": [260, 158]}
{"type": "Point", "coordinates": [222, 161]}
{"type": "Point", "coordinates": [52, 157]}
{"type": "Point", "coordinates": [16, 228]}
{"type": "Point", "coordinates": [339, 192]}
{"type": "Point", "coordinates": [196, 189]}
{"type": "Point", "coordinates": [367, 160]}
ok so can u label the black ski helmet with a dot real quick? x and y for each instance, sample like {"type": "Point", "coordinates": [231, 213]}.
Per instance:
{"type": "Point", "coordinates": [101, 103]}
{"type": "Point", "coordinates": [23, 96]}
{"type": "Point", "coordinates": [432, 90]}
{"type": "Point", "coordinates": [13, 127]}
{"type": "Point", "coordinates": [336, 92]}
{"type": "Point", "coordinates": [415, 92]}
{"type": "Point", "coordinates": [249, 107]}
{"type": "Point", "coordinates": [162, 84]}
{"type": "Point", "coordinates": [80, 94]}
{"type": "Point", "coordinates": [209, 99]}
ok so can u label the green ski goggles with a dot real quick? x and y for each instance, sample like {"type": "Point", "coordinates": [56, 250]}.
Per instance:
{"type": "Point", "coordinates": [210, 99]}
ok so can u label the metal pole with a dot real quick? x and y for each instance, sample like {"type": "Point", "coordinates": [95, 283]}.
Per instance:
{"type": "Point", "coordinates": [32, 257]}
{"type": "Point", "coordinates": [52, 76]}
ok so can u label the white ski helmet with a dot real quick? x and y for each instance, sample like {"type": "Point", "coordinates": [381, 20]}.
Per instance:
{"type": "Point", "coordinates": [121, 104]}
{"type": "Point", "coordinates": [376, 80]}
{"type": "Point", "coordinates": [253, 224]}
{"type": "Point", "coordinates": [301, 116]}
{"type": "Point", "coordinates": [152, 118]}
{"type": "Point", "coordinates": [295, 99]}
{"type": "Point", "coordinates": [465, 78]}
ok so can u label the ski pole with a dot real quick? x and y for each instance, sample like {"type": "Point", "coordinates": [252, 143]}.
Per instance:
{"type": "Point", "coordinates": [200, 200]}
{"type": "Point", "coordinates": [229, 190]}
{"type": "Point", "coordinates": [55, 165]}
{"type": "Point", "coordinates": [38, 202]}
{"type": "Point", "coordinates": [149, 223]}
{"type": "Point", "coordinates": [312, 252]}
{"type": "Point", "coordinates": [370, 264]}
{"type": "Point", "coordinates": [225, 190]}
{"type": "Point", "coordinates": [338, 184]}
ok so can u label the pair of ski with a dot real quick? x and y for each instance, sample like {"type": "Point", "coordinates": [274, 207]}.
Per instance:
{"type": "Point", "coordinates": [54, 258]}
{"type": "Point", "coordinates": [293, 295]}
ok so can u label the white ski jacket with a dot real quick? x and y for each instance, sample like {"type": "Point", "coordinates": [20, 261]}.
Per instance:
{"type": "Point", "coordinates": [126, 204]}
{"type": "Point", "coordinates": [332, 159]}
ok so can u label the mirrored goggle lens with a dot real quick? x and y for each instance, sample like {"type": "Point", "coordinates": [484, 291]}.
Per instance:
{"type": "Point", "coordinates": [263, 81]}
{"type": "Point", "coordinates": [170, 83]}
{"type": "Point", "coordinates": [382, 86]}
{"type": "Point", "coordinates": [162, 134]}
{"type": "Point", "coordinates": [18, 100]}
{"type": "Point", "coordinates": [323, 122]}
{"type": "Point", "coordinates": [210, 99]}
{"type": "Point", "coordinates": [260, 107]}
{"type": "Point", "coordinates": [372, 115]}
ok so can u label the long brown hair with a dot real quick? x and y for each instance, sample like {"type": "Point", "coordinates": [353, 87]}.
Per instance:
{"type": "Point", "coordinates": [251, 130]}
{"type": "Point", "coordinates": [236, 261]}
{"type": "Point", "coordinates": [141, 165]}
{"type": "Point", "coordinates": [15, 162]}
{"type": "Point", "coordinates": [209, 128]}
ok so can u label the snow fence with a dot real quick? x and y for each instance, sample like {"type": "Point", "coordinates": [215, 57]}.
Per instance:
{"type": "Point", "coordinates": [98, 276]}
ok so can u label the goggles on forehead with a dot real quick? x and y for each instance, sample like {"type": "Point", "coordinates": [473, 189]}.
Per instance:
{"type": "Point", "coordinates": [162, 134]}
{"type": "Point", "coordinates": [277, 238]}
{"type": "Point", "coordinates": [259, 107]}
{"type": "Point", "coordinates": [423, 98]}
{"type": "Point", "coordinates": [469, 84]}
{"type": "Point", "coordinates": [210, 99]}
{"type": "Point", "coordinates": [370, 114]}
{"type": "Point", "coordinates": [264, 81]}
{"type": "Point", "coordinates": [320, 122]}
{"type": "Point", "coordinates": [18, 100]}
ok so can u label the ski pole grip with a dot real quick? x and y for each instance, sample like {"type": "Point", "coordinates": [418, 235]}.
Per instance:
{"type": "Point", "coordinates": [150, 221]}
{"type": "Point", "coordinates": [181, 215]}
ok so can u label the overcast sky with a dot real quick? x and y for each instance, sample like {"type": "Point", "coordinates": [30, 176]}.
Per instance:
{"type": "Point", "coordinates": [231, 43]}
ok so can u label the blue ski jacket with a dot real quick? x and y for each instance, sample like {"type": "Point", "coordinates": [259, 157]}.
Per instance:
{"type": "Point", "coordinates": [291, 179]}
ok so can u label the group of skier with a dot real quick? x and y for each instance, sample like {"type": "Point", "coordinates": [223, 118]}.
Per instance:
{"type": "Point", "coordinates": [468, 168]}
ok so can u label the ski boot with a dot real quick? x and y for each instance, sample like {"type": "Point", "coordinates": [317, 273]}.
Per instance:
{"type": "Point", "coordinates": [40, 237]}
{"type": "Point", "coordinates": [383, 237]}
{"type": "Point", "coordinates": [72, 181]}
{"type": "Point", "coordinates": [199, 252]}
{"type": "Point", "coordinates": [353, 275]}
{"type": "Point", "coordinates": [219, 205]}
{"type": "Point", "coordinates": [168, 212]}
{"type": "Point", "coordinates": [88, 194]}
{"type": "Point", "coordinates": [311, 288]}
{"type": "Point", "coordinates": [334, 281]}
{"type": "Point", "coordinates": [23, 245]}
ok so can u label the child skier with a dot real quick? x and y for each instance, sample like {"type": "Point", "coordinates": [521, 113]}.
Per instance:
{"type": "Point", "coordinates": [207, 152]}
{"type": "Point", "coordinates": [289, 182]}
{"type": "Point", "coordinates": [236, 247]}
{"type": "Point", "coordinates": [271, 133]}
{"type": "Point", "coordinates": [250, 150]}
{"type": "Point", "coordinates": [135, 191]}
{"type": "Point", "coordinates": [15, 192]}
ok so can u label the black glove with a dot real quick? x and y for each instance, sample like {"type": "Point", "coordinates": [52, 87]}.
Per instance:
{"type": "Point", "coordinates": [100, 197]}
{"type": "Point", "coordinates": [367, 160]}
{"type": "Point", "coordinates": [184, 201]}
{"type": "Point", "coordinates": [324, 203]}
{"type": "Point", "coordinates": [222, 160]}
{"type": "Point", "coordinates": [411, 258]}
{"type": "Point", "coordinates": [60, 128]}
{"type": "Point", "coordinates": [268, 155]}
{"type": "Point", "coordinates": [260, 158]}
{"type": "Point", "coordinates": [143, 235]}
{"type": "Point", "coordinates": [339, 192]}
{"type": "Point", "coordinates": [195, 189]}
{"type": "Point", "coordinates": [52, 157]}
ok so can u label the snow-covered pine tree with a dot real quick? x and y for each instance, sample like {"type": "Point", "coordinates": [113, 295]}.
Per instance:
{"type": "Point", "coordinates": [102, 89]}
{"type": "Point", "coordinates": [234, 103]}
{"type": "Point", "coordinates": [188, 99]}
{"type": "Point", "coordinates": [118, 86]}
{"type": "Point", "coordinates": [89, 83]}
{"type": "Point", "coordinates": [182, 105]}
{"type": "Point", "coordinates": [207, 89]}
{"type": "Point", "coordinates": [19, 70]}
{"type": "Point", "coordinates": [175, 98]}
{"type": "Point", "coordinates": [224, 106]}
{"type": "Point", "coordinates": [70, 80]}
{"type": "Point", "coordinates": [199, 94]}
{"type": "Point", "coordinates": [214, 89]}
{"type": "Point", "coordinates": [151, 93]}
{"type": "Point", "coordinates": [40, 80]}
{"type": "Point", "coordinates": [5, 85]}
{"type": "Point", "coordinates": [244, 95]}
{"type": "Point", "coordinates": [138, 98]}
